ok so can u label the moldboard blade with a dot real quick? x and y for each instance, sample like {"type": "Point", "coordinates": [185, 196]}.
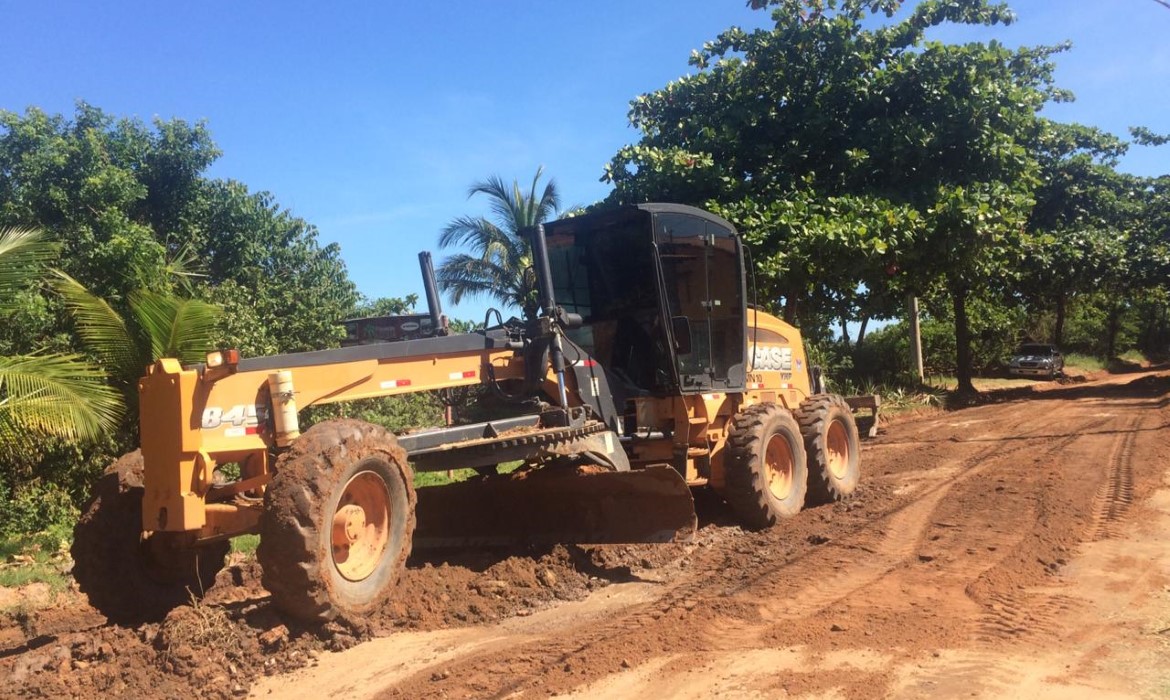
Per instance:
{"type": "Point", "coordinates": [557, 505]}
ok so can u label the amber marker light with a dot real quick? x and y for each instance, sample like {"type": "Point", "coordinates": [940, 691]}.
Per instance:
{"type": "Point", "coordinates": [221, 358]}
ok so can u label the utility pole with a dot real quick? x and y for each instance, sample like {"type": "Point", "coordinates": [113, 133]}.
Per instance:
{"type": "Point", "coordinates": [915, 338]}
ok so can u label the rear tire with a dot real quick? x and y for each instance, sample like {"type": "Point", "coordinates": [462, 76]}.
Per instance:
{"type": "Point", "coordinates": [128, 577]}
{"type": "Point", "coordinates": [337, 523]}
{"type": "Point", "coordinates": [766, 470]}
{"type": "Point", "coordinates": [833, 446]}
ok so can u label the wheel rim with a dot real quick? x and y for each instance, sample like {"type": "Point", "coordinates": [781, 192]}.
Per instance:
{"type": "Point", "coordinates": [778, 460]}
{"type": "Point", "coordinates": [837, 449]}
{"type": "Point", "coordinates": [361, 526]}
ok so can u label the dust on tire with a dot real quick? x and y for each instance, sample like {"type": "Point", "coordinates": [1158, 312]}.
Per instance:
{"type": "Point", "coordinates": [833, 447]}
{"type": "Point", "coordinates": [748, 489]}
{"type": "Point", "coordinates": [296, 527]}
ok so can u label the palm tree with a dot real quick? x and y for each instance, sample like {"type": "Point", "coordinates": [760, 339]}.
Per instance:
{"type": "Point", "coordinates": [158, 325]}
{"type": "Point", "coordinates": [46, 393]}
{"type": "Point", "coordinates": [500, 266]}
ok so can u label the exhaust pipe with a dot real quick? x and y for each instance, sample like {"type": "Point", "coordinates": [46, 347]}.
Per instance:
{"type": "Point", "coordinates": [434, 304]}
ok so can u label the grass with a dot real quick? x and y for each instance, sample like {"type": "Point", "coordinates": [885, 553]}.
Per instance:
{"type": "Point", "coordinates": [245, 544]}
{"type": "Point", "coordinates": [37, 558]}
{"type": "Point", "coordinates": [1134, 356]}
{"type": "Point", "coordinates": [423, 479]}
{"type": "Point", "coordinates": [1087, 363]}
{"type": "Point", "coordinates": [947, 383]}
{"type": "Point", "coordinates": [17, 575]}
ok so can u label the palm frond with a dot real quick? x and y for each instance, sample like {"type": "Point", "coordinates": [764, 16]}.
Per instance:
{"type": "Point", "coordinates": [58, 395]}
{"type": "Point", "coordinates": [475, 232]}
{"type": "Point", "coordinates": [194, 331]}
{"type": "Point", "coordinates": [184, 266]}
{"type": "Point", "coordinates": [179, 328]}
{"type": "Point", "coordinates": [23, 254]}
{"type": "Point", "coordinates": [467, 276]}
{"type": "Point", "coordinates": [103, 331]}
{"type": "Point", "coordinates": [499, 266]}
{"type": "Point", "coordinates": [504, 201]}
{"type": "Point", "coordinates": [549, 203]}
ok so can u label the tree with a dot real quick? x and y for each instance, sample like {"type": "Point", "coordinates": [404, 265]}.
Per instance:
{"type": "Point", "coordinates": [157, 326]}
{"type": "Point", "coordinates": [500, 266]}
{"type": "Point", "coordinates": [844, 150]}
{"type": "Point", "coordinates": [125, 200]}
{"type": "Point", "coordinates": [266, 263]}
{"type": "Point", "coordinates": [129, 205]}
{"type": "Point", "coordinates": [1085, 211]}
{"type": "Point", "coordinates": [48, 393]}
{"type": "Point", "coordinates": [384, 306]}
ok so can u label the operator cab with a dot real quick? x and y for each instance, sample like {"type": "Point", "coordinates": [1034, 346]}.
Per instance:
{"type": "Point", "coordinates": [660, 289]}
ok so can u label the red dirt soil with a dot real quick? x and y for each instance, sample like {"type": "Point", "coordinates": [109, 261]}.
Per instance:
{"type": "Point", "coordinates": [1014, 547]}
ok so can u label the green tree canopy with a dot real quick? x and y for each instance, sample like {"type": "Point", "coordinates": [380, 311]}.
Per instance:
{"type": "Point", "coordinates": [127, 201]}
{"type": "Point", "coordinates": [847, 149]}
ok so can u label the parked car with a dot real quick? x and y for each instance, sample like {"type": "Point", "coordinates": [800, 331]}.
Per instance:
{"type": "Point", "coordinates": [1037, 360]}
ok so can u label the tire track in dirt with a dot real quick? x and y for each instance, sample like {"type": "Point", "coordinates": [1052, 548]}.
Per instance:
{"type": "Point", "coordinates": [905, 560]}
{"type": "Point", "coordinates": [906, 529]}
{"type": "Point", "coordinates": [1115, 496]}
{"type": "Point", "coordinates": [733, 618]}
{"type": "Point", "coordinates": [1023, 617]}
{"type": "Point", "coordinates": [1019, 613]}
{"type": "Point", "coordinates": [717, 609]}
{"type": "Point", "coordinates": [1039, 617]}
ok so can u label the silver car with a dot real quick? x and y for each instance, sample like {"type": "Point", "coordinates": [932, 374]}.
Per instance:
{"type": "Point", "coordinates": [1037, 360]}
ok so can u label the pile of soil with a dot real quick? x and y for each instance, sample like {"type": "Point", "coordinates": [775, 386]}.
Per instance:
{"type": "Point", "coordinates": [217, 646]}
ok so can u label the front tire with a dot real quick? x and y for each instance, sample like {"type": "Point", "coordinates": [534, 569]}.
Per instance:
{"type": "Point", "coordinates": [129, 577]}
{"type": "Point", "coordinates": [337, 523]}
{"type": "Point", "coordinates": [766, 471]}
{"type": "Point", "coordinates": [833, 446]}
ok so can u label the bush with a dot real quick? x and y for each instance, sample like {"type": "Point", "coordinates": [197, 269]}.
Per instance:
{"type": "Point", "coordinates": [395, 413]}
{"type": "Point", "coordinates": [44, 482]}
{"type": "Point", "coordinates": [39, 508]}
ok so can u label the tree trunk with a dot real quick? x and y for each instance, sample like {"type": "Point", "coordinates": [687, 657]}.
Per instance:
{"type": "Point", "coordinates": [1111, 332]}
{"type": "Point", "coordinates": [845, 331]}
{"type": "Point", "coordinates": [962, 342]}
{"type": "Point", "coordinates": [861, 331]}
{"type": "Point", "coordinates": [790, 309]}
{"type": "Point", "coordinates": [1058, 331]}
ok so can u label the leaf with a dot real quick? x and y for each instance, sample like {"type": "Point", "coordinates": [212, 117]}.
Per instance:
{"type": "Point", "coordinates": [58, 395]}
{"type": "Point", "coordinates": [103, 331]}
{"type": "Point", "coordinates": [23, 254]}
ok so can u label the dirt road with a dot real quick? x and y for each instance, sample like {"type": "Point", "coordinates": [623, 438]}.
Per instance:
{"type": "Point", "coordinates": [1019, 548]}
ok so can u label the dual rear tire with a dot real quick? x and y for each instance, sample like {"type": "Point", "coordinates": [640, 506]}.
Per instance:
{"type": "Point", "coordinates": [778, 461]}
{"type": "Point", "coordinates": [832, 442]}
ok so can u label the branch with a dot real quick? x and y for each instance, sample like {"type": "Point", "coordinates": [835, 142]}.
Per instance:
{"type": "Point", "coordinates": [1164, 3]}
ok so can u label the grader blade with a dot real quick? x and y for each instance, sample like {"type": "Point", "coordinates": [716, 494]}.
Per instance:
{"type": "Point", "coordinates": [557, 505]}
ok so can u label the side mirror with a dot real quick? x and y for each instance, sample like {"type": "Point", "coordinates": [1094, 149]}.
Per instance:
{"type": "Point", "coordinates": [680, 327]}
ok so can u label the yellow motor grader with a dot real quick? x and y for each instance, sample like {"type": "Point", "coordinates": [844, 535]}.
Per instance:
{"type": "Point", "coordinates": [645, 375]}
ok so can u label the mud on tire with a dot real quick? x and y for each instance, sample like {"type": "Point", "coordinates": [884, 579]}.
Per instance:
{"type": "Point", "coordinates": [766, 469]}
{"type": "Point", "coordinates": [832, 444]}
{"type": "Point", "coordinates": [127, 577]}
{"type": "Point", "coordinates": [337, 523]}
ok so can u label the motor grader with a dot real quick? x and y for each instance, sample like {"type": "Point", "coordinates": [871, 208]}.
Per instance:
{"type": "Point", "coordinates": [646, 374]}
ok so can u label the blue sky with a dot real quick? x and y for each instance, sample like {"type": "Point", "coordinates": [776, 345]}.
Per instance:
{"type": "Point", "coordinates": [371, 120]}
